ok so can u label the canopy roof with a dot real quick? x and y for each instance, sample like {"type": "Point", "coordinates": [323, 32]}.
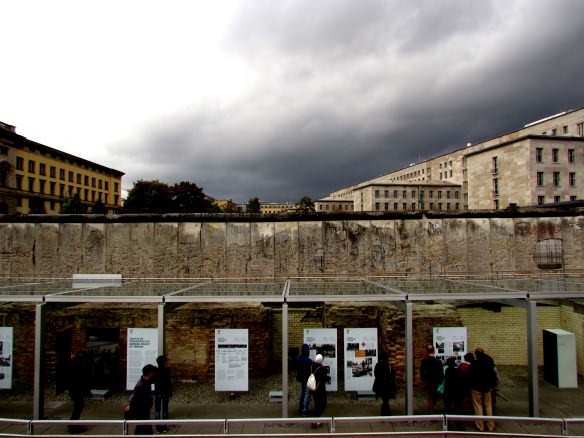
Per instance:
{"type": "Point", "coordinates": [292, 290]}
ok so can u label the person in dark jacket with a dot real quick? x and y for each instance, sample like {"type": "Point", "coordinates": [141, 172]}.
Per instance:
{"type": "Point", "coordinates": [464, 369]}
{"type": "Point", "coordinates": [321, 375]}
{"type": "Point", "coordinates": [78, 386]}
{"type": "Point", "coordinates": [303, 365]}
{"type": "Point", "coordinates": [483, 380]}
{"type": "Point", "coordinates": [162, 391]}
{"type": "Point", "coordinates": [452, 387]}
{"type": "Point", "coordinates": [141, 399]}
{"type": "Point", "coordinates": [384, 383]}
{"type": "Point", "coordinates": [432, 376]}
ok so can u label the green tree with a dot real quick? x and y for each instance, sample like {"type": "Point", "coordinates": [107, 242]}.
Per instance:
{"type": "Point", "coordinates": [305, 205]}
{"type": "Point", "coordinates": [73, 205]}
{"type": "Point", "coordinates": [99, 207]}
{"type": "Point", "coordinates": [253, 205]}
{"type": "Point", "coordinates": [148, 197]}
{"type": "Point", "coordinates": [187, 197]}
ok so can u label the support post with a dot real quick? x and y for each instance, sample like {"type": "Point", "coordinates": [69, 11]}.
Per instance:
{"type": "Point", "coordinates": [161, 329]}
{"type": "Point", "coordinates": [409, 359]}
{"type": "Point", "coordinates": [285, 360]}
{"type": "Point", "coordinates": [532, 358]}
{"type": "Point", "coordinates": [39, 355]}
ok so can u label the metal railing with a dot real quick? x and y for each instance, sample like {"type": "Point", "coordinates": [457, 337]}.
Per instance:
{"type": "Point", "coordinates": [414, 425]}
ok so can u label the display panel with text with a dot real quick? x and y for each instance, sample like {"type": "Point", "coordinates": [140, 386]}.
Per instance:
{"type": "Point", "coordinates": [231, 359]}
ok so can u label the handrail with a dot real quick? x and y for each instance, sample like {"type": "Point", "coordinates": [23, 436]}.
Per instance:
{"type": "Point", "coordinates": [226, 426]}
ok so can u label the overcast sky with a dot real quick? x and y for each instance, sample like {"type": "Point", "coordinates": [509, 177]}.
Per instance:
{"type": "Point", "coordinates": [280, 99]}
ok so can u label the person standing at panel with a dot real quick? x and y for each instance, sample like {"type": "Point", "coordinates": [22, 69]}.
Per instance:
{"type": "Point", "coordinates": [453, 387]}
{"type": "Point", "coordinates": [432, 376]}
{"type": "Point", "coordinates": [141, 399]}
{"type": "Point", "coordinates": [162, 392]}
{"type": "Point", "coordinates": [384, 383]}
{"type": "Point", "coordinates": [303, 366]}
{"type": "Point", "coordinates": [483, 380]}
{"type": "Point", "coordinates": [464, 369]}
{"type": "Point", "coordinates": [321, 375]}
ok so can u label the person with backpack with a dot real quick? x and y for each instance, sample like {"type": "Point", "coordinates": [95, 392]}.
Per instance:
{"type": "Point", "coordinates": [303, 365]}
{"type": "Point", "coordinates": [384, 383]}
{"type": "Point", "coordinates": [483, 380]}
{"type": "Point", "coordinates": [319, 394]}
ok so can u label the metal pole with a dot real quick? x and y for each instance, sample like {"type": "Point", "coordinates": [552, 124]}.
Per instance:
{"type": "Point", "coordinates": [409, 359]}
{"type": "Point", "coordinates": [161, 329]}
{"type": "Point", "coordinates": [39, 353]}
{"type": "Point", "coordinates": [532, 358]}
{"type": "Point", "coordinates": [284, 360]}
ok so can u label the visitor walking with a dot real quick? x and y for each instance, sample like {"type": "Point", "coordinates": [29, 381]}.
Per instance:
{"type": "Point", "coordinates": [384, 383]}
{"type": "Point", "coordinates": [78, 387]}
{"type": "Point", "coordinates": [141, 400]}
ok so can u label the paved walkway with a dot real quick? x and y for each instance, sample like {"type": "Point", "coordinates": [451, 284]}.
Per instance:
{"type": "Point", "coordinates": [512, 401]}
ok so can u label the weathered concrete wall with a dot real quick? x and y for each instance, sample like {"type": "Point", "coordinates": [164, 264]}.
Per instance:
{"type": "Point", "coordinates": [284, 249]}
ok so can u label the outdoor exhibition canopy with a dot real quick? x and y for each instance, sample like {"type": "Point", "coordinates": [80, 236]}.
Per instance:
{"type": "Point", "coordinates": [520, 291]}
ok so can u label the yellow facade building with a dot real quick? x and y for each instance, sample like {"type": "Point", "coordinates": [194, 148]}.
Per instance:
{"type": "Point", "coordinates": [35, 178]}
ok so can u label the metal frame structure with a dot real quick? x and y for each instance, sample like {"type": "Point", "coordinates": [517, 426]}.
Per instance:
{"type": "Point", "coordinates": [524, 292]}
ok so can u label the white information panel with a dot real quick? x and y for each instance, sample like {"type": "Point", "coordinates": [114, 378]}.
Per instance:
{"type": "Point", "coordinates": [360, 358]}
{"type": "Point", "coordinates": [324, 341]}
{"type": "Point", "coordinates": [450, 341]}
{"type": "Point", "coordinates": [142, 350]}
{"type": "Point", "coordinates": [6, 357]}
{"type": "Point", "coordinates": [231, 359]}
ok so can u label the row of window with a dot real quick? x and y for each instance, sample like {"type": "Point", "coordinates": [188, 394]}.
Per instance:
{"type": "Point", "coordinates": [333, 207]}
{"type": "Point", "coordinates": [565, 130]}
{"type": "Point", "coordinates": [52, 190]}
{"type": "Point", "coordinates": [71, 177]}
{"type": "Point", "coordinates": [541, 199]}
{"type": "Point", "coordinates": [539, 155]}
{"type": "Point", "coordinates": [404, 194]}
{"type": "Point", "coordinates": [557, 179]}
{"type": "Point", "coordinates": [431, 205]}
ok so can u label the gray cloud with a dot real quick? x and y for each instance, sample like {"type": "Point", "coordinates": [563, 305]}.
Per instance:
{"type": "Point", "coordinates": [350, 90]}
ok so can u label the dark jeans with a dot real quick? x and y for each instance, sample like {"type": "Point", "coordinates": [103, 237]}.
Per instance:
{"type": "Point", "coordinates": [161, 409]}
{"type": "Point", "coordinates": [78, 402]}
{"type": "Point", "coordinates": [385, 406]}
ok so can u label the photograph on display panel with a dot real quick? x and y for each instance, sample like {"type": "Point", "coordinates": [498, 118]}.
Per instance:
{"type": "Point", "coordinates": [450, 342]}
{"type": "Point", "coordinates": [324, 341]}
{"type": "Point", "coordinates": [360, 358]}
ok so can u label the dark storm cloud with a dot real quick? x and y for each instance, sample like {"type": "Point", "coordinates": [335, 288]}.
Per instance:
{"type": "Point", "coordinates": [351, 90]}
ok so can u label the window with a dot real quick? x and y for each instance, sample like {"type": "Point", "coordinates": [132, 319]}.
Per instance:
{"type": "Point", "coordinates": [571, 156]}
{"type": "Point", "coordinates": [116, 199]}
{"type": "Point", "coordinates": [86, 195]}
{"type": "Point", "coordinates": [539, 155]}
{"type": "Point", "coordinates": [540, 178]}
{"type": "Point", "coordinates": [106, 186]}
{"type": "Point", "coordinates": [19, 163]}
{"type": "Point", "coordinates": [413, 194]}
{"type": "Point", "coordinates": [395, 193]}
{"type": "Point", "coordinates": [431, 206]}
{"type": "Point", "coordinates": [78, 178]}
{"type": "Point", "coordinates": [395, 205]}
{"type": "Point", "coordinates": [41, 186]}
{"type": "Point", "coordinates": [405, 206]}
{"type": "Point", "coordinates": [62, 174]}
{"type": "Point", "coordinates": [52, 187]}
{"type": "Point", "coordinates": [439, 194]}
{"type": "Point", "coordinates": [31, 166]}
{"type": "Point", "coordinates": [555, 155]}
{"type": "Point", "coordinates": [42, 169]}
{"type": "Point", "coordinates": [572, 198]}
{"type": "Point", "coordinates": [71, 176]}
{"type": "Point", "coordinates": [431, 194]}
{"type": "Point", "coordinates": [31, 184]}
{"type": "Point", "coordinates": [413, 206]}
{"type": "Point", "coordinates": [421, 205]}
{"type": "Point", "coordinates": [572, 179]}
{"type": "Point", "coordinates": [556, 179]}
{"type": "Point", "coordinates": [440, 175]}
{"type": "Point", "coordinates": [386, 206]}
{"type": "Point", "coordinates": [457, 206]}
{"type": "Point", "coordinates": [440, 206]}
{"type": "Point", "coordinates": [557, 199]}
{"type": "Point", "coordinates": [494, 164]}
{"type": "Point", "coordinates": [99, 186]}
{"type": "Point", "coordinates": [376, 204]}
{"type": "Point", "coordinates": [93, 185]}
{"type": "Point", "coordinates": [376, 191]}
{"type": "Point", "coordinates": [496, 204]}
{"type": "Point", "coordinates": [565, 129]}
{"type": "Point", "coordinates": [19, 182]}
{"type": "Point", "coordinates": [456, 194]}
{"type": "Point", "coordinates": [554, 131]}
{"type": "Point", "coordinates": [540, 200]}
{"type": "Point", "coordinates": [61, 190]}
{"type": "Point", "coordinates": [386, 193]}
{"type": "Point", "coordinates": [116, 187]}
{"type": "Point", "coordinates": [86, 180]}
{"type": "Point", "coordinates": [580, 128]}
{"type": "Point", "coordinates": [447, 194]}
{"type": "Point", "coordinates": [421, 194]}
{"type": "Point", "coordinates": [53, 172]}
{"type": "Point", "coordinates": [495, 186]}
{"type": "Point", "coordinates": [404, 194]}
{"type": "Point", "coordinates": [451, 174]}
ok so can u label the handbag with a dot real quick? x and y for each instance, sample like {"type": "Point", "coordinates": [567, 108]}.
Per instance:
{"type": "Point", "coordinates": [311, 382]}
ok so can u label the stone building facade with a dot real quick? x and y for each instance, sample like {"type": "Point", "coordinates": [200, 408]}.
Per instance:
{"type": "Point", "coordinates": [472, 167]}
